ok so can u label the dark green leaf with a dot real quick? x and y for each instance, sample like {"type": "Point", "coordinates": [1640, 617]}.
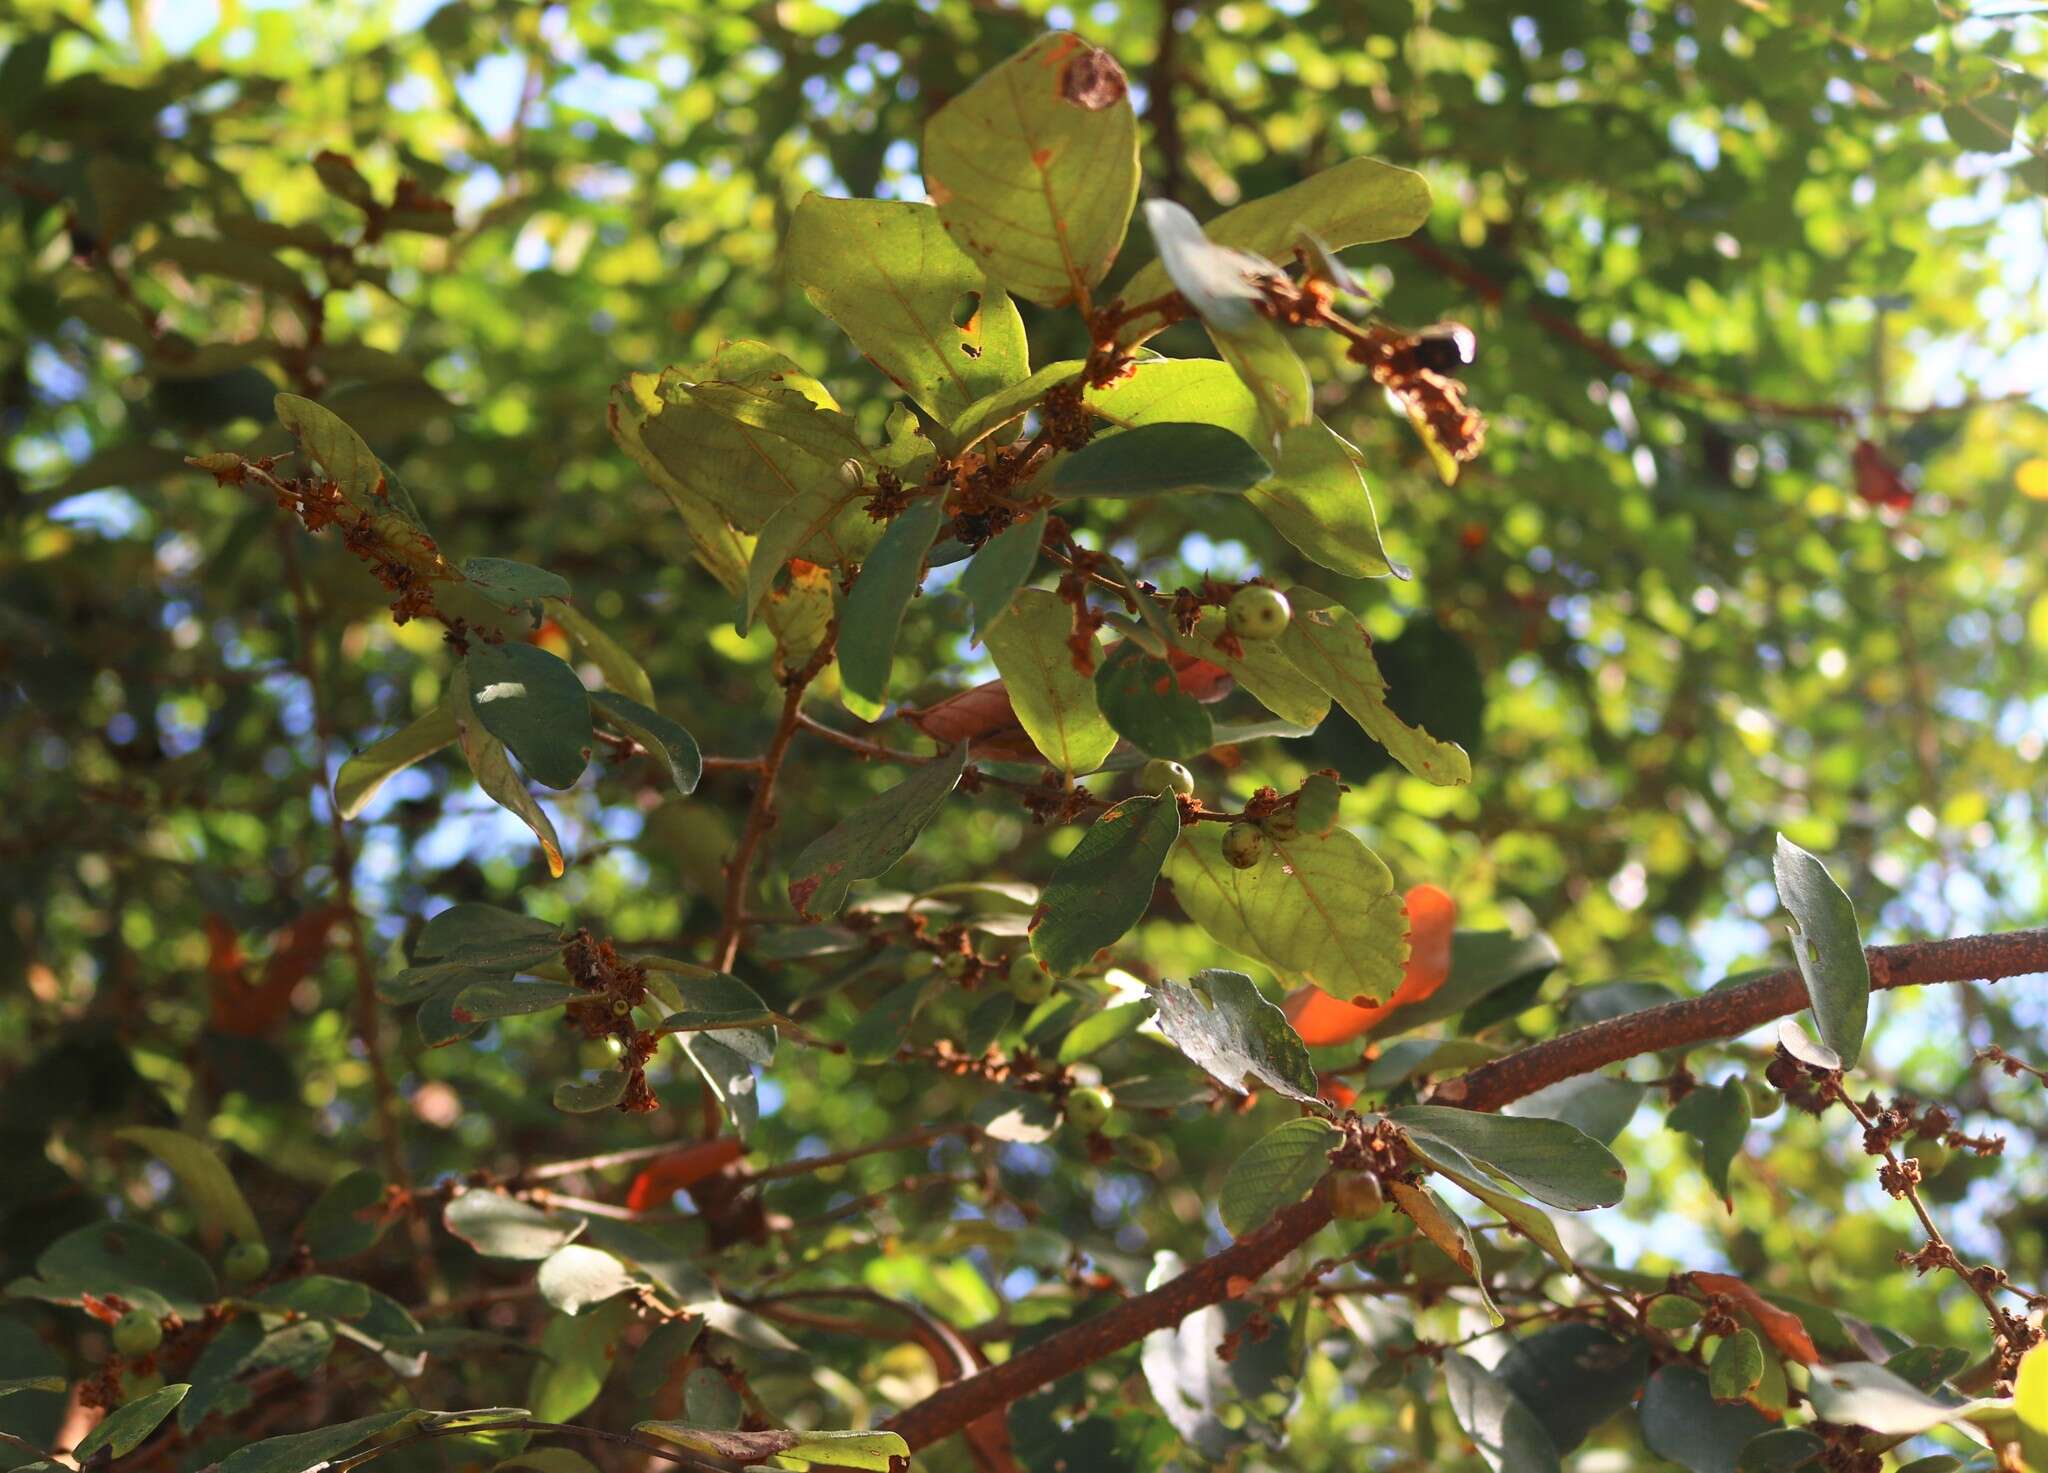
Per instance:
{"type": "Point", "coordinates": [1550, 1160]}
{"type": "Point", "coordinates": [1717, 1118]}
{"type": "Point", "coordinates": [1001, 567]}
{"type": "Point", "coordinates": [362, 775]}
{"type": "Point", "coordinates": [872, 615]}
{"type": "Point", "coordinates": [533, 703]}
{"type": "Point", "coordinates": [1574, 1378]}
{"type": "Point", "coordinates": [1508, 1435]}
{"type": "Point", "coordinates": [1600, 1106]}
{"type": "Point", "coordinates": [1142, 698]}
{"type": "Point", "coordinates": [717, 1001]}
{"type": "Point", "coordinates": [1829, 947]}
{"type": "Point", "coordinates": [869, 840]}
{"type": "Point", "coordinates": [1222, 1022]}
{"type": "Point", "coordinates": [882, 1025]}
{"type": "Point", "coordinates": [1482, 963]}
{"type": "Point", "coordinates": [123, 1430]}
{"type": "Point", "coordinates": [302, 1452]}
{"type": "Point", "coordinates": [125, 1258]}
{"type": "Point", "coordinates": [587, 1096]}
{"type": "Point", "coordinates": [499, 1226]}
{"type": "Point", "coordinates": [654, 1364]}
{"type": "Point", "coordinates": [879, 1451]}
{"type": "Point", "coordinates": [665, 740]}
{"type": "Point", "coordinates": [1279, 1169]}
{"type": "Point", "coordinates": [581, 1350]}
{"type": "Point", "coordinates": [1156, 459]}
{"type": "Point", "coordinates": [1682, 1422]}
{"type": "Point", "coordinates": [1104, 886]}
{"type": "Point", "coordinates": [1780, 1450]}
{"type": "Point", "coordinates": [513, 586]}
{"type": "Point", "coordinates": [503, 998]}
{"type": "Point", "coordinates": [210, 1192]}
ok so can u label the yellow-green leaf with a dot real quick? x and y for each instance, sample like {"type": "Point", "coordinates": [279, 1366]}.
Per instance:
{"type": "Point", "coordinates": [368, 770]}
{"type": "Point", "coordinates": [1329, 646]}
{"type": "Point", "coordinates": [209, 1190]}
{"type": "Point", "coordinates": [1054, 700]}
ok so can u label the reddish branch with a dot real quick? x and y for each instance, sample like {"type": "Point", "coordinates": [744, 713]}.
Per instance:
{"type": "Point", "coordinates": [1232, 1272]}
{"type": "Point", "coordinates": [1731, 1011]}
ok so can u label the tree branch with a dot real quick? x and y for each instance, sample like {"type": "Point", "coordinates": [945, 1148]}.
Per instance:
{"type": "Point", "coordinates": [1224, 1276]}
{"type": "Point", "coordinates": [1731, 1011]}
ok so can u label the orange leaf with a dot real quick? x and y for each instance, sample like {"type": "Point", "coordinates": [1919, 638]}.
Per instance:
{"type": "Point", "coordinates": [1432, 916]}
{"type": "Point", "coordinates": [670, 1174]}
{"type": "Point", "coordinates": [250, 1010]}
{"type": "Point", "coordinates": [1781, 1327]}
{"type": "Point", "coordinates": [1205, 680]}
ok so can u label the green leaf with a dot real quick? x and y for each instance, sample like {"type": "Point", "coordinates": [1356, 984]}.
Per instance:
{"type": "Point", "coordinates": [1864, 1394]}
{"type": "Point", "coordinates": [2030, 1402]}
{"type": "Point", "coordinates": [655, 1362]}
{"type": "Point", "coordinates": [32, 1383]}
{"type": "Point", "coordinates": [1158, 459]}
{"type": "Point", "coordinates": [1104, 886]}
{"type": "Point", "coordinates": [573, 1277]}
{"type": "Point", "coordinates": [665, 740]}
{"type": "Point", "coordinates": [1330, 647]}
{"type": "Point", "coordinates": [1548, 1159]}
{"type": "Point", "coordinates": [1317, 497]}
{"type": "Point", "coordinates": [1415, 1058]}
{"type": "Point", "coordinates": [1142, 699]}
{"type": "Point", "coordinates": [866, 1450]}
{"type": "Point", "coordinates": [709, 1400]}
{"type": "Point", "coordinates": [873, 612]}
{"type": "Point", "coordinates": [883, 1024]}
{"type": "Point", "coordinates": [1034, 169]}
{"type": "Point", "coordinates": [868, 841]}
{"type": "Point", "coordinates": [302, 1452]}
{"type": "Point", "coordinates": [1356, 202]}
{"type": "Point", "coordinates": [1737, 1366]}
{"type": "Point", "coordinates": [1316, 908]}
{"type": "Point", "coordinates": [1482, 963]}
{"type": "Point", "coordinates": [503, 998]}
{"type": "Point", "coordinates": [832, 509]}
{"type": "Point", "coordinates": [1447, 1232]}
{"type": "Point", "coordinates": [1533, 1222]}
{"type": "Point", "coordinates": [321, 1296]}
{"type": "Point", "coordinates": [338, 450]}
{"type": "Point", "coordinates": [1223, 1023]}
{"type": "Point", "coordinates": [1260, 669]}
{"type": "Point", "coordinates": [1784, 1448]}
{"type": "Point", "coordinates": [123, 1430]}
{"type": "Point", "coordinates": [533, 703]}
{"type": "Point", "coordinates": [548, 1460]}
{"type": "Point", "coordinates": [1717, 1118]}
{"type": "Point", "coordinates": [620, 670]}
{"type": "Point", "coordinates": [581, 1350]}
{"type": "Point", "coordinates": [725, 1063]}
{"type": "Point", "coordinates": [469, 933]}
{"type": "Point", "coordinates": [717, 1001]}
{"type": "Point", "coordinates": [491, 764]}
{"type": "Point", "coordinates": [1002, 566]}
{"type": "Point", "coordinates": [513, 586]}
{"type": "Point", "coordinates": [1575, 1378]}
{"type": "Point", "coordinates": [160, 1274]}
{"type": "Point", "coordinates": [368, 770]}
{"type": "Point", "coordinates": [993, 412]}
{"type": "Point", "coordinates": [888, 274]}
{"type": "Point", "coordinates": [1829, 947]}
{"type": "Point", "coordinates": [588, 1096]}
{"type": "Point", "coordinates": [1682, 1422]}
{"type": "Point", "coordinates": [1099, 1030]}
{"type": "Point", "coordinates": [1215, 1404]}
{"type": "Point", "coordinates": [1505, 1431]}
{"type": "Point", "coordinates": [1600, 1106]}
{"type": "Point", "coordinates": [210, 1192]}
{"type": "Point", "coordinates": [1054, 700]}
{"type": "Point", "coordinates": [1281, 1167]}
{"type": "Point", "coordinates": [499, 1226]}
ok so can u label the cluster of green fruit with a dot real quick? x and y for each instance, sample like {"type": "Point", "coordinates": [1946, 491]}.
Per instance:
{"type": "Point", "coordinates": [138, 1333]}
{"type": "Point", "coordinates": [1091, 1110]}
{"type": "Point", "coordinates": [1313, 811]}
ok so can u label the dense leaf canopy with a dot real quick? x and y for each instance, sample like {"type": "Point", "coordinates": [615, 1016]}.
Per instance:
{"type": "Point", "coordinates": [782, 734]}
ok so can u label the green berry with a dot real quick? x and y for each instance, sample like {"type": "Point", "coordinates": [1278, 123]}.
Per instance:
{"type": "Point", "coordinates": [1160, 773]}
{"type": "Point", "coordinates": [1243, 845]}
{"type": "Point", "coordinates": [246, 1263]}
{"type": "Point", "coordinates": [1316, 807]}
{"type": "Point", "coordinates": [1258, 612]}
{"type": "Point", "coordinates": [954, 965]}
{"type": "Point", "coordinates": [1088, 1107]}
{"type": "Point", "coordinates": [1356, 1195]}
{"type": "Point", "coordinates": [137, 1333]}
{"type": "Point", "coordinates": [1028, 980]}
{"type": "Point", "coordinates": [1142, 1152]}
{"type": "Point", "coordinates": [134, 1388]}
{"type": "Point", "coordinates": [1281, 825]}
{"type": "Point", "coordinates": [1932, 1153]}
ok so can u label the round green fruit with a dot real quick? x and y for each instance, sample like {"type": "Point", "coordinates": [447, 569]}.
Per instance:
{"type": "Point", "coordinates": [1243, 845]}
{"type": "Point", "coordinates": [1932, 1154]}
{"type": "Point", "coordinates": [1160, 773]}
{"type": "Point", "coordinates": [1356, 1195]}
{"type": "Point", "coordinates": [246, 1263]}
{"type": "Point", "coordinates": [1315, 809]}
{"type": "Point", "coordinates": [1258, 612]}
{"type": "Point", "coordinates": [134, 1388]}
{"type": "Point", "coordinates": [1028, 980]}
{"type": "Point", "coordinates": [1142, 1152]}
{"type": "Point", "coordinates": [137, 1333]}
{"type": "Point", "coordinates": [1088, 1107]}
{"type": "Point", "coordinates": [954, 965]}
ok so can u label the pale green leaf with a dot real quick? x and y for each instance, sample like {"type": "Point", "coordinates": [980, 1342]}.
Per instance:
{"type": "Point", "coordinates": [1329, 646]}
{"type": "Point", "coordinates": [1829, 948]}
{"type": "Point", "coordinates": [666, 741]}
{"type": "Point", "coordinates": [367, 771]}
{"type": "Point", "coordinates": [123, 1430]}
{"type": "Point", "coordinates": [1278, 1170]}
{"type": "Point", "coordinates": [1054, 701]}
{"type": "Point", "coordinates": [209, 1190]}
{"type": "Point", "coordinates": [1550, 1160]}
{"type": "Point", "coordinates": [1223, 1023]}
{"type": "Point", "coordinates": [1001, 566]}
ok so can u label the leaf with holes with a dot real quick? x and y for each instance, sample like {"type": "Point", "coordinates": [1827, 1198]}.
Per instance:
{"type": "Point", "coordinates": [868, 841]}
{"type": "Point", "coordinates": [1226, 1025]}
{"type": "Point", "coordinates": [890, 276]}
{"type": "Point", "coordinates": [1053, 700]}
{"type": "Point", "coordinates": [1280, 1168]}
{"type": "Point", "coordinates": [1829, 947]}
{"type": "Point", "coordinates": [1034, 169]}
{"type": "Point", "coordinates": [1329, 646]}
{"type": "Point", "coordinates": [1104, 886]}
{"type": "Point", "coordinates": [1316, 908]}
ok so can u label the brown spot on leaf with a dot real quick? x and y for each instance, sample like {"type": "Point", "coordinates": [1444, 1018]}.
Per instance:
{"type": "Point", "coordinates": [1093, 80]}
